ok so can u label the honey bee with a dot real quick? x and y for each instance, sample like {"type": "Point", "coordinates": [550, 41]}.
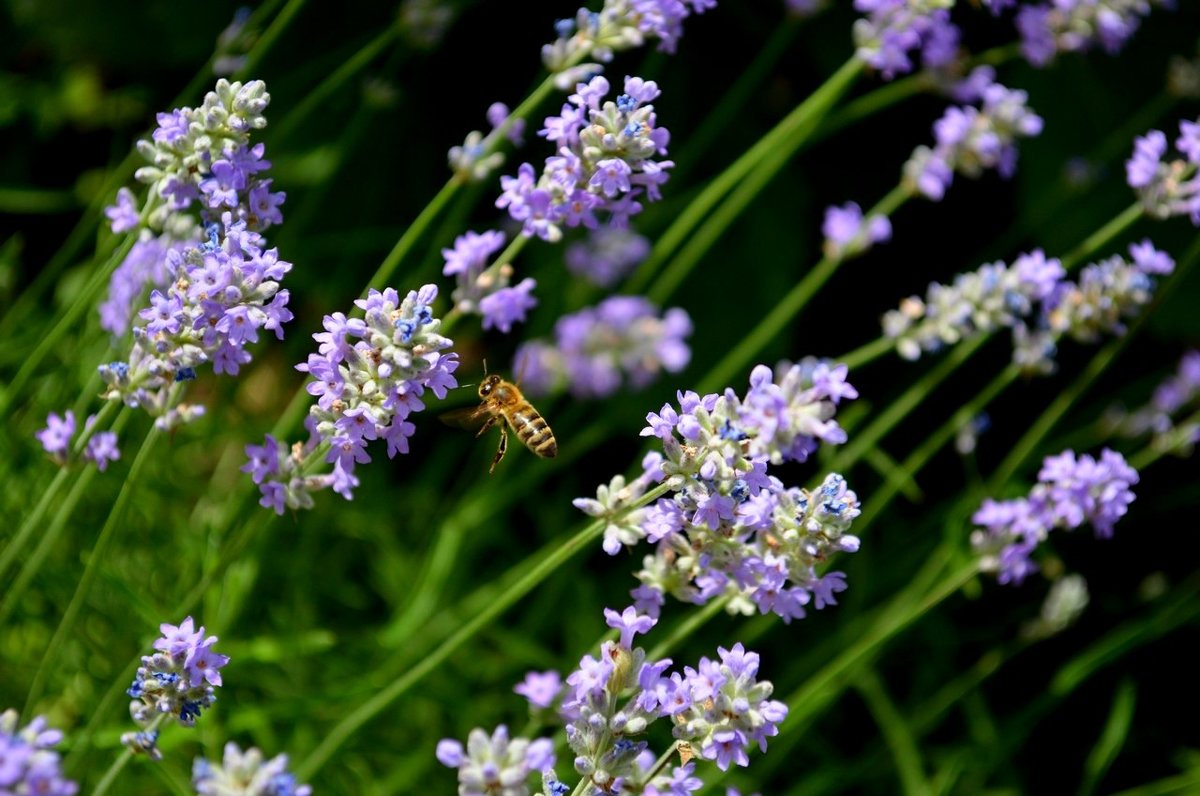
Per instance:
{"type": "Point", "coordinates": [502, 403]}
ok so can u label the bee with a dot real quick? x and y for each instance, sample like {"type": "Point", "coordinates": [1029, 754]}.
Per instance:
{"type": "Point", "coordinates": [502, 403]}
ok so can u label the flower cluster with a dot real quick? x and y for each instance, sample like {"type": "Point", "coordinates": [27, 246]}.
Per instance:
{"type": "Point", "coordinates": [992, 297]}
{"type": "Point", "coordinates": [177, 681]}
{"type": "Point", "coordinates": [1160, 417]}
{"type": "Point", "coordinates": [730, 528]}
{"type": "Point", "coordinates": [245, 774]}
{"type": "Point", "coordinates": [892, 29]}
{"type": "Point", "coordinates": [495, 764]}
{"type": "Point", "coordinates": [28, 762]}
{"type": "Point", "coordinates": [1070, 491]}
{"type": "Point", "coordinates": [222, 293]}
{"type": "Point", "coordinates": [1078, 25]}
{"type": "Point", "coordinates": [56, 437]}
{"type": "Point", "coordinates": [719, 709]}
{"type": "Point", "coordinates": [607, 254]}
{"type": "Point", "coordinates": [1167, 188]}
{"type": "Point", "coordinates": [604, 162]}
{"type": "Point", "coordinates": [203, 155]}
{"type": "Point", "coordinates": [594, 350]}
{"type": "Point", "coordinates": [368, 376]}
{"type": "Point", "coordinates": [848, 234]}
{"type": "Point", "coordinates": [1033, 297]}
{"type": "Point", "coordinates": [485, 290]}
{"type": "Point", "coordinates": [619, 25]}
{"type": "Point", "coordinates": [145, 265]}
{"type": "Point", "coordinates": [969, 140]}
{"type": "Point", "coordinates": [475, 160]}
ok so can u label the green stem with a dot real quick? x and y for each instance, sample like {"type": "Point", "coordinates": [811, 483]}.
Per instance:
{"type": "Point", "coordinates": [796, 299]}
{"type": "Point", "coordinates": [866, 354]}
{"type": "Point", "coordinates": [9, 554]}
{"type": "Point", "coordinates": [133, 481]}
{"type": "Point", "coordinates": [378, 703]}
{"type": "Point", "coordinates": [334, 81]}
{"type": "Point", "coordinates": [268, 38]}
{"type": "Point", "coordinates": [1103, 236]}
{"type": "Point", "coordinates": [65, 510]}
{"type": "Point", "coordinates": [799, 124]}
{"type": "Point", "coordinates": [117, 765]}
{"type": "Point", "coordinates": [896, 733]}
{"type": "Point", "coordinates": [909, 400]}
{"type": "Point", "coordinates": [820, 689]}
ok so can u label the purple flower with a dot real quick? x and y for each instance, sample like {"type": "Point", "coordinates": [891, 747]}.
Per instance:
{"type": "Point", "coordinates": [56, 436]}
{"type": "Point", "coordinates": [891, 30]}
{"type": "Point", "coordinates": [179, 680]}
{"type": "Point", "coordinates": [595, 349]}
{"type": "Point", "coordinates": [605, 157]}
{"type": "Point", "coordinates": [28, 763]}
{"type": "Point", "coordinates": [1164, 187]}
{"type": "Point", "coordinates": [123, 216]}
{"type": "Point", "coordinates": [397, 351]}
{"type": "Point", "coordinates": [248, 770]}
{"type": "Point", "coordinates": [970, 140]}
{"type": "Point", "coordinates": [1071, 490]}
{"type": "Point", "coordinates": [630, 623]}
{"type": "Point", "coordinates": [102, 448]}
{"type": "Point", "coordinates": [606, 255]}
{"type": "Point", "coordinates": [506, 306]}
{"type": "Point", "coordinates": [495, 764]}
{"type": "Point", "coordinates": [540, 688]}
{"type": "Point", "coordinates": [1076, 26]}
{"type": "Point", "coordinates": [220, 294]}
{"type": "Point", "coordinates": [847, 234]}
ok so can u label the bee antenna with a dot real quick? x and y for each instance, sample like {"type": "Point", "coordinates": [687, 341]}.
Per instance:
{"type": "Point", "coordinates": [464, 386]}
{"type": "Point", "coordinates": [485, 367]}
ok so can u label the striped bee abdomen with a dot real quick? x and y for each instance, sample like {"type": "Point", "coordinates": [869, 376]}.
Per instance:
{"type": "Point", "coordinates": [535, 432]}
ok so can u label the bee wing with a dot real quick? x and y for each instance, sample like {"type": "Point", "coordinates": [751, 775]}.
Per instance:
{"type": "Point", "coordinates": [470, 418]}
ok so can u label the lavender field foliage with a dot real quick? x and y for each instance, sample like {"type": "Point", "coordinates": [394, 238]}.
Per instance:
{"type": "Point", "coordinates": [864, 334]}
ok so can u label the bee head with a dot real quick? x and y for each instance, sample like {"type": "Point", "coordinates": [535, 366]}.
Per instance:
{"type": "Point", "coordinates": [487, 385]}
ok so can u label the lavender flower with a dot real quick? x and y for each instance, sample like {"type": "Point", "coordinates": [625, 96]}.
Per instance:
{"type": "Point", "coordinates": [204, 156]}
{"type": "Point", "coordinates": [101, 448]}
{"type": "Point", "coordinates": [719, 708]}
{"type": "Point", "coordinates": [970, 140]}
{"type": "Point", "coordinates": [221, 294]}
{"type": "Point", "coordinates": [56, 436]}
{"type": "Point", "coordinates": [731, 528]}
{"type": "Point", "coordinates": [28, 762]}
{"type": "Point", "coordinates": [368, 376]}
{"type": "Point", "coordinates": [1070, 491]}
{"type": "Point", "coordinates": [1160, 416]}
{"type": "Point", "coordinates": [618, 25]}
{"type": "Point", "coordinates": [144, 267]}
{"type": "Point", "coordinates": [994, 296]}
{"type": "Point", "coordinates": [1078, 25]}
{"type": "Point", "coordinates": [892, 29]}
{"type": "Point", "coordinates": [123, 216]}
{"type": "Point", "coordinates": [177, 681]}
{"type": "Point", "coordinates": [1167, 188]}
{"type": "Point", "coordinates": [603, 164]}
{"type": "Point", "coordinates": [495, 764]}
{"type": "Point", "coordinates": [1034, 299]}
{"type": "Point", "coordinates": [473, 161]}
{"type": "Point", "coordinates": [540, 688]}
{"type": "Point", "coordinates": [607, 254]}
{"type": "Point", "coordinates": [595, 349]}
{"type": "Point", "coordinates": [245, 774]}
{"type": "Point", "coordinates": [848, 234]}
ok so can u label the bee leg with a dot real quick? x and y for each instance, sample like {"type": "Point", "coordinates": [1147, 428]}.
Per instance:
{"type": "Point", "coordinates": [500, 451]}
{"type": "Point", "coordinates": [491, 421]}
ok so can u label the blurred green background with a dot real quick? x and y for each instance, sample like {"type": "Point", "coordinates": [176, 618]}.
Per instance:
{"type": "Point", "coordinates": [322, 610]}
